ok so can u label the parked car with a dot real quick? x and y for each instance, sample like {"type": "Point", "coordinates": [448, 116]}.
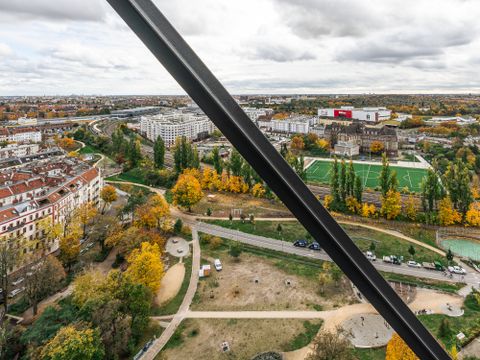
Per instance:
{"type": "Point", "coordinates": [18, 281]}
{"type": "Point", "coordinates": [370, 256]}
{"type": "Point", "coordinates": [457, 270]}
{"type": "Point", "coordinates": [392, 259]}
{"type": "Point", "coordinates": [314, 246]}
{"type": "Point", "coordinates": [436, 265]}
{"type": "Point", "coordinates": [412, 263]}
{"type": "Point", "coordinates": [217, 264]}
{"type": "Point", "coordinates": [301, 243]}
{"type": "Point", "coordinates": [15, 292]}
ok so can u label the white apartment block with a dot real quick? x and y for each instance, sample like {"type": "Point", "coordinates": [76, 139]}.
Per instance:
{"type": "Point", "coordinates": [18, 150]}
{"type": "Point", "coordinates": [369, 114]}
{"type": "Point", "coordinates": [48, 190]}
{"type": "Point", "coordinates": [254, 113]}
{"type": "Point", "coordinates": [292, 125]}
{"type": "Point", "coordinates": [20, 135]}
{"type": "Point", "coordinates": [173, 125]}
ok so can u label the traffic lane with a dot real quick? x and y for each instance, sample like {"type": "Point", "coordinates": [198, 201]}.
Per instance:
{"type": "Point", "coordinates": [287, 247]}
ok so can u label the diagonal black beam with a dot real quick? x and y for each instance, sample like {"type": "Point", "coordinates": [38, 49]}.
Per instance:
{"type": "Point", "coordinates": [185, 66]}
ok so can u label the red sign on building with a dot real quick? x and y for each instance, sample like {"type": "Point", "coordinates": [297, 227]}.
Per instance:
{"type": "Point", "coordinates": [342, 113]}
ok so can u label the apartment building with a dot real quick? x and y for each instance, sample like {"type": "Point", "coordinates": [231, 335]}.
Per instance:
{"type": "Point", "coordinates": [52, 189]}
{"type": "Point", "coordinates": [20, 135]}
{"type": "Point", "coordinates": [291, 125]}
{"type": "Point", "coordinates": [177, 124]}
{"type": "Point", "coordinates": [18, 150]}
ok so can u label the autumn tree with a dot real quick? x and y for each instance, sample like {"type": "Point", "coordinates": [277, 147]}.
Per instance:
{"type": "Point", "coordinates": [154, 213]}
{"type": "Point", "coordinates": [368, 210]}
{"type": "Point", "coordinates": [159, 153]}
{"type": "Point", "coordinates": [376, 147]}
{"type": "Point", "coordinates": [108, 194]}
{"type": "Point", "coordinates": [410, 208]}
{"type": "Point", "coordinates": [297, 143]}
{"type": "Point", "coordinates": [71, 343]}
{"type": "Point", "coordinates": [447, 215]}
{"type": "Point", "coordinates": [84, 214]}
{"type": "Point", "coordinates": [258, 190]}
{"type": "Point", "coordinates": [69, 246]}
{"type": "Point", "coordinates": [331, 345]}
{"type": "Point", "coordinates": [472, 217]}
{"type": "Point", "coordinates": [187, 191]}
{"type": "Point", "coordinates": [397, 349]}
{"type": "Point", "coordinates": [43, 281]}
{"type": "Point", "coordinates": [145, 266]}
{"type": "Point", "coordinates": [391, 205]}
{"type": "Point", "coordinates": [10, 256]}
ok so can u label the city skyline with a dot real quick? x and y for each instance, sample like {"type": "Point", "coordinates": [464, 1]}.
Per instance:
{"type": "Point", "coordinates": [254, 47]}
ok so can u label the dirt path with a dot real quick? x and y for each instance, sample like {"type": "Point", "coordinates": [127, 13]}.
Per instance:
{"type": "Point", "coordinates": [171, 283]}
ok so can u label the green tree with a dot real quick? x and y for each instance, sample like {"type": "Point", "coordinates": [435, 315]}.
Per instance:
{"type": "Point", "coordinates": [236, 163]}
{"type": "Point", "coordinates": [159, 153]}
{"type": "Point", "coordinates": [134, 152]}
{"type": "Point", "coordinates": [411, 251]}
{"type": "Point", "coordinates": [351, 180]}
{"type": "Point", "coordinates": [449, 255]}
{"type": "Point", "coordinates": [334, 183]}
{"type": "Point", "coordinates": [235, 250]}
{"type": "Point", "coordinates": [431, 191]}
{"type": "Point", "coordinates": [177, 227]}
{"type": "Point", "coordinates": [217, 161]}
{"type": "Point", "coordinates": [384, 178]}
{"type": "Point", "coordinates": [343, 181]}
{"type": "Point", "coordinates": [358, 190]}
{"type": "Point", "coordinates": [457, 181]}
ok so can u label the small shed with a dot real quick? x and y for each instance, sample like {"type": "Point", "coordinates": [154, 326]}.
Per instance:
{"type": "Point", "coordinates": [204, 271]}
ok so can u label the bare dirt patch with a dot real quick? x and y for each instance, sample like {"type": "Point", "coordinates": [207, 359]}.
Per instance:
{"type": "Point", "coordinates": [171, 283]}
{"type": "Point", "coordinates": [202, 339]}
{"type": "Point", "coordinates": [255, 283]}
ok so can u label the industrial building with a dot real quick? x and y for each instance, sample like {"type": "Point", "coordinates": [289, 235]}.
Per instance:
{"type": "Point", "coordinates": [369, 114]}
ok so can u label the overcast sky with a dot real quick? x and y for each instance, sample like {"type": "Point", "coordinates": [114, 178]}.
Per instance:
{"type": "Point", "coordinates": [253, 46]}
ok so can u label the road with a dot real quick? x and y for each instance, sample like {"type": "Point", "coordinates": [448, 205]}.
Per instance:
{"type": "Point", "coordinates": [471, 279]}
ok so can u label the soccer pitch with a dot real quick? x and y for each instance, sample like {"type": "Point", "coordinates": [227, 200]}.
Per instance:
{"type": "Point", "coordinates": [412, 178]}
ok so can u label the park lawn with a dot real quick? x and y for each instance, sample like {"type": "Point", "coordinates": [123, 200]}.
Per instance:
{"type": "Point", "coordinates": [385, 244]}
{"type": "Point", "coordinates": [133, 175]}
{"type": "Point", "coordinates": [469, 323]}
{"type": "Point", "coordinates": [370, 354]}
{"type": "Point", "coordinates": [87, 150]}
{"type": "Point", "coordinates": [411, 178]}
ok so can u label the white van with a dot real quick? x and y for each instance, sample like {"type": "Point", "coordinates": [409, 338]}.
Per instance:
{"type": "Point", "coordinates": [217, 264]}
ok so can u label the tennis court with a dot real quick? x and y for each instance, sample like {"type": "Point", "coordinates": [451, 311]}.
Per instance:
{"type": "Point", "coordinates": [412, 178]}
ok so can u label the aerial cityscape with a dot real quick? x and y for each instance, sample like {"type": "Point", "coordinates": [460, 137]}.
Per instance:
{"type": "Point", "coordinates": [132, 228]}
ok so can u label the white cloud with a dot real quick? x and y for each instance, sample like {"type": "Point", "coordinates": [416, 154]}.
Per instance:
{"type": "Point", "coordinates": [257, 46]}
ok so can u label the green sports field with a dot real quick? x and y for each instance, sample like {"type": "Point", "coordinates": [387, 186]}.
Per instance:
{"type": "Point", "coordinates": [412, 178]}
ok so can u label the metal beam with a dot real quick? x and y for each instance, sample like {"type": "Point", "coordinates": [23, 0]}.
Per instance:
{"type": "Point", "coordinates": [185, 66]}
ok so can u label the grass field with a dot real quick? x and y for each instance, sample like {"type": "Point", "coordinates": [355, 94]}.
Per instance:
{"type": "Point", "coordinates": [319, 172]}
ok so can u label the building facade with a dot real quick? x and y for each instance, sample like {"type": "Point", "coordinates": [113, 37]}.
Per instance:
{"type": "Point", "coordinates": [369, 114]}
{"type": "Point", "coordinates": [18, 150]}
{"type": "Point", "coordinates": [291, 125]}
{"type": "Point", "coordinates": [44, 190]}
{"type": "Point", "coordinates": [20, 135]}
{"type": "Point", "coordinates": [171, 126]}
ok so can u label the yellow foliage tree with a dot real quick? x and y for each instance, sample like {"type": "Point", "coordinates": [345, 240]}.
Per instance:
{"type": "Point", "coordinates": [353, 205]}
{"type": "Point", "coordinates": [210, 179]}
{"type": "Point", "coordinates": [108, 194]}
{"type": "Point", "coordinates": [376, 147]}
{"type": "Point", "coordinates": [258, 190]}
{"type": "Point", "coordinates": [447, 215]}
{"type": "Point", "coordinates": [84, 213]}
{"type": "Point", "coordinates": [297, 143]}
{"type": "Point", "coordinates": [454, 352]}
{"type": "Point", "coordinates": [397, 349]}
{"type": "Point", "coordinates": [323, 144]}
{"type": "Point", "coordinates": [69, 249]}
{"type": "Point", "coordinates": [391, 205]}
{"type": "Point", "coordinates": [154, 213]}
{"type": "Point", "coordinates": [410, 208]}
{"type": "Point", "coordinates": [368, 210]}
{"type": "Point", "coordinates": [72, 344]}
{"type": "Point", "coordinates": [187, 191]}
{"type": "Point", "coordinates": [145, 266]}
{"type": "Point", "coordinates": [472, 217]}
{"type": "Point", "coordinates": [327, 201]}
{"type": "Point", "coordinates": [88, 287]}
{"type": "Point", "coordinates": [236, 185]}
{"type": "Point", "coordinates": [66, 143]}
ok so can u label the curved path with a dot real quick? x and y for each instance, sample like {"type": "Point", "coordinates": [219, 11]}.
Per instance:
{"type": "Point", "coordinates": [182, 312]}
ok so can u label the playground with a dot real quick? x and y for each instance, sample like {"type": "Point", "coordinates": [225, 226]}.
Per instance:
{"type": "Point", "coordinates": [410, 177]}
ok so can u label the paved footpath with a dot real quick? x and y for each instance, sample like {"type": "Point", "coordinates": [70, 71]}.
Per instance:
{"type": "Point", "coordinates": [158, 345]}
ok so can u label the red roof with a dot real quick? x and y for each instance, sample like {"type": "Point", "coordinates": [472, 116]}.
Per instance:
{"type": "Point", "coordinates": [5, 192]}
{"type": "Point", "coordinates": [8, 214]}
{"type": "Point", "coordinates": [90, 174]}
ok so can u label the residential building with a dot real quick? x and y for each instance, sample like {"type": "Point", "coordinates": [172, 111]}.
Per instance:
{"type": "Point", "coordinates": [51, 189]}
{"type": "Point", "coordinates": [20, 135]}
{"type": "Point", "coordinates": [170, 126]}
{"type": "Point", "coordinates": [18, 150]}
{"type": "Point", "coordinates": [291, 125]}
{"type": "Point", "coordinates": [346, 148]}
{"type": "Point", "coordinates": [369, 114]}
